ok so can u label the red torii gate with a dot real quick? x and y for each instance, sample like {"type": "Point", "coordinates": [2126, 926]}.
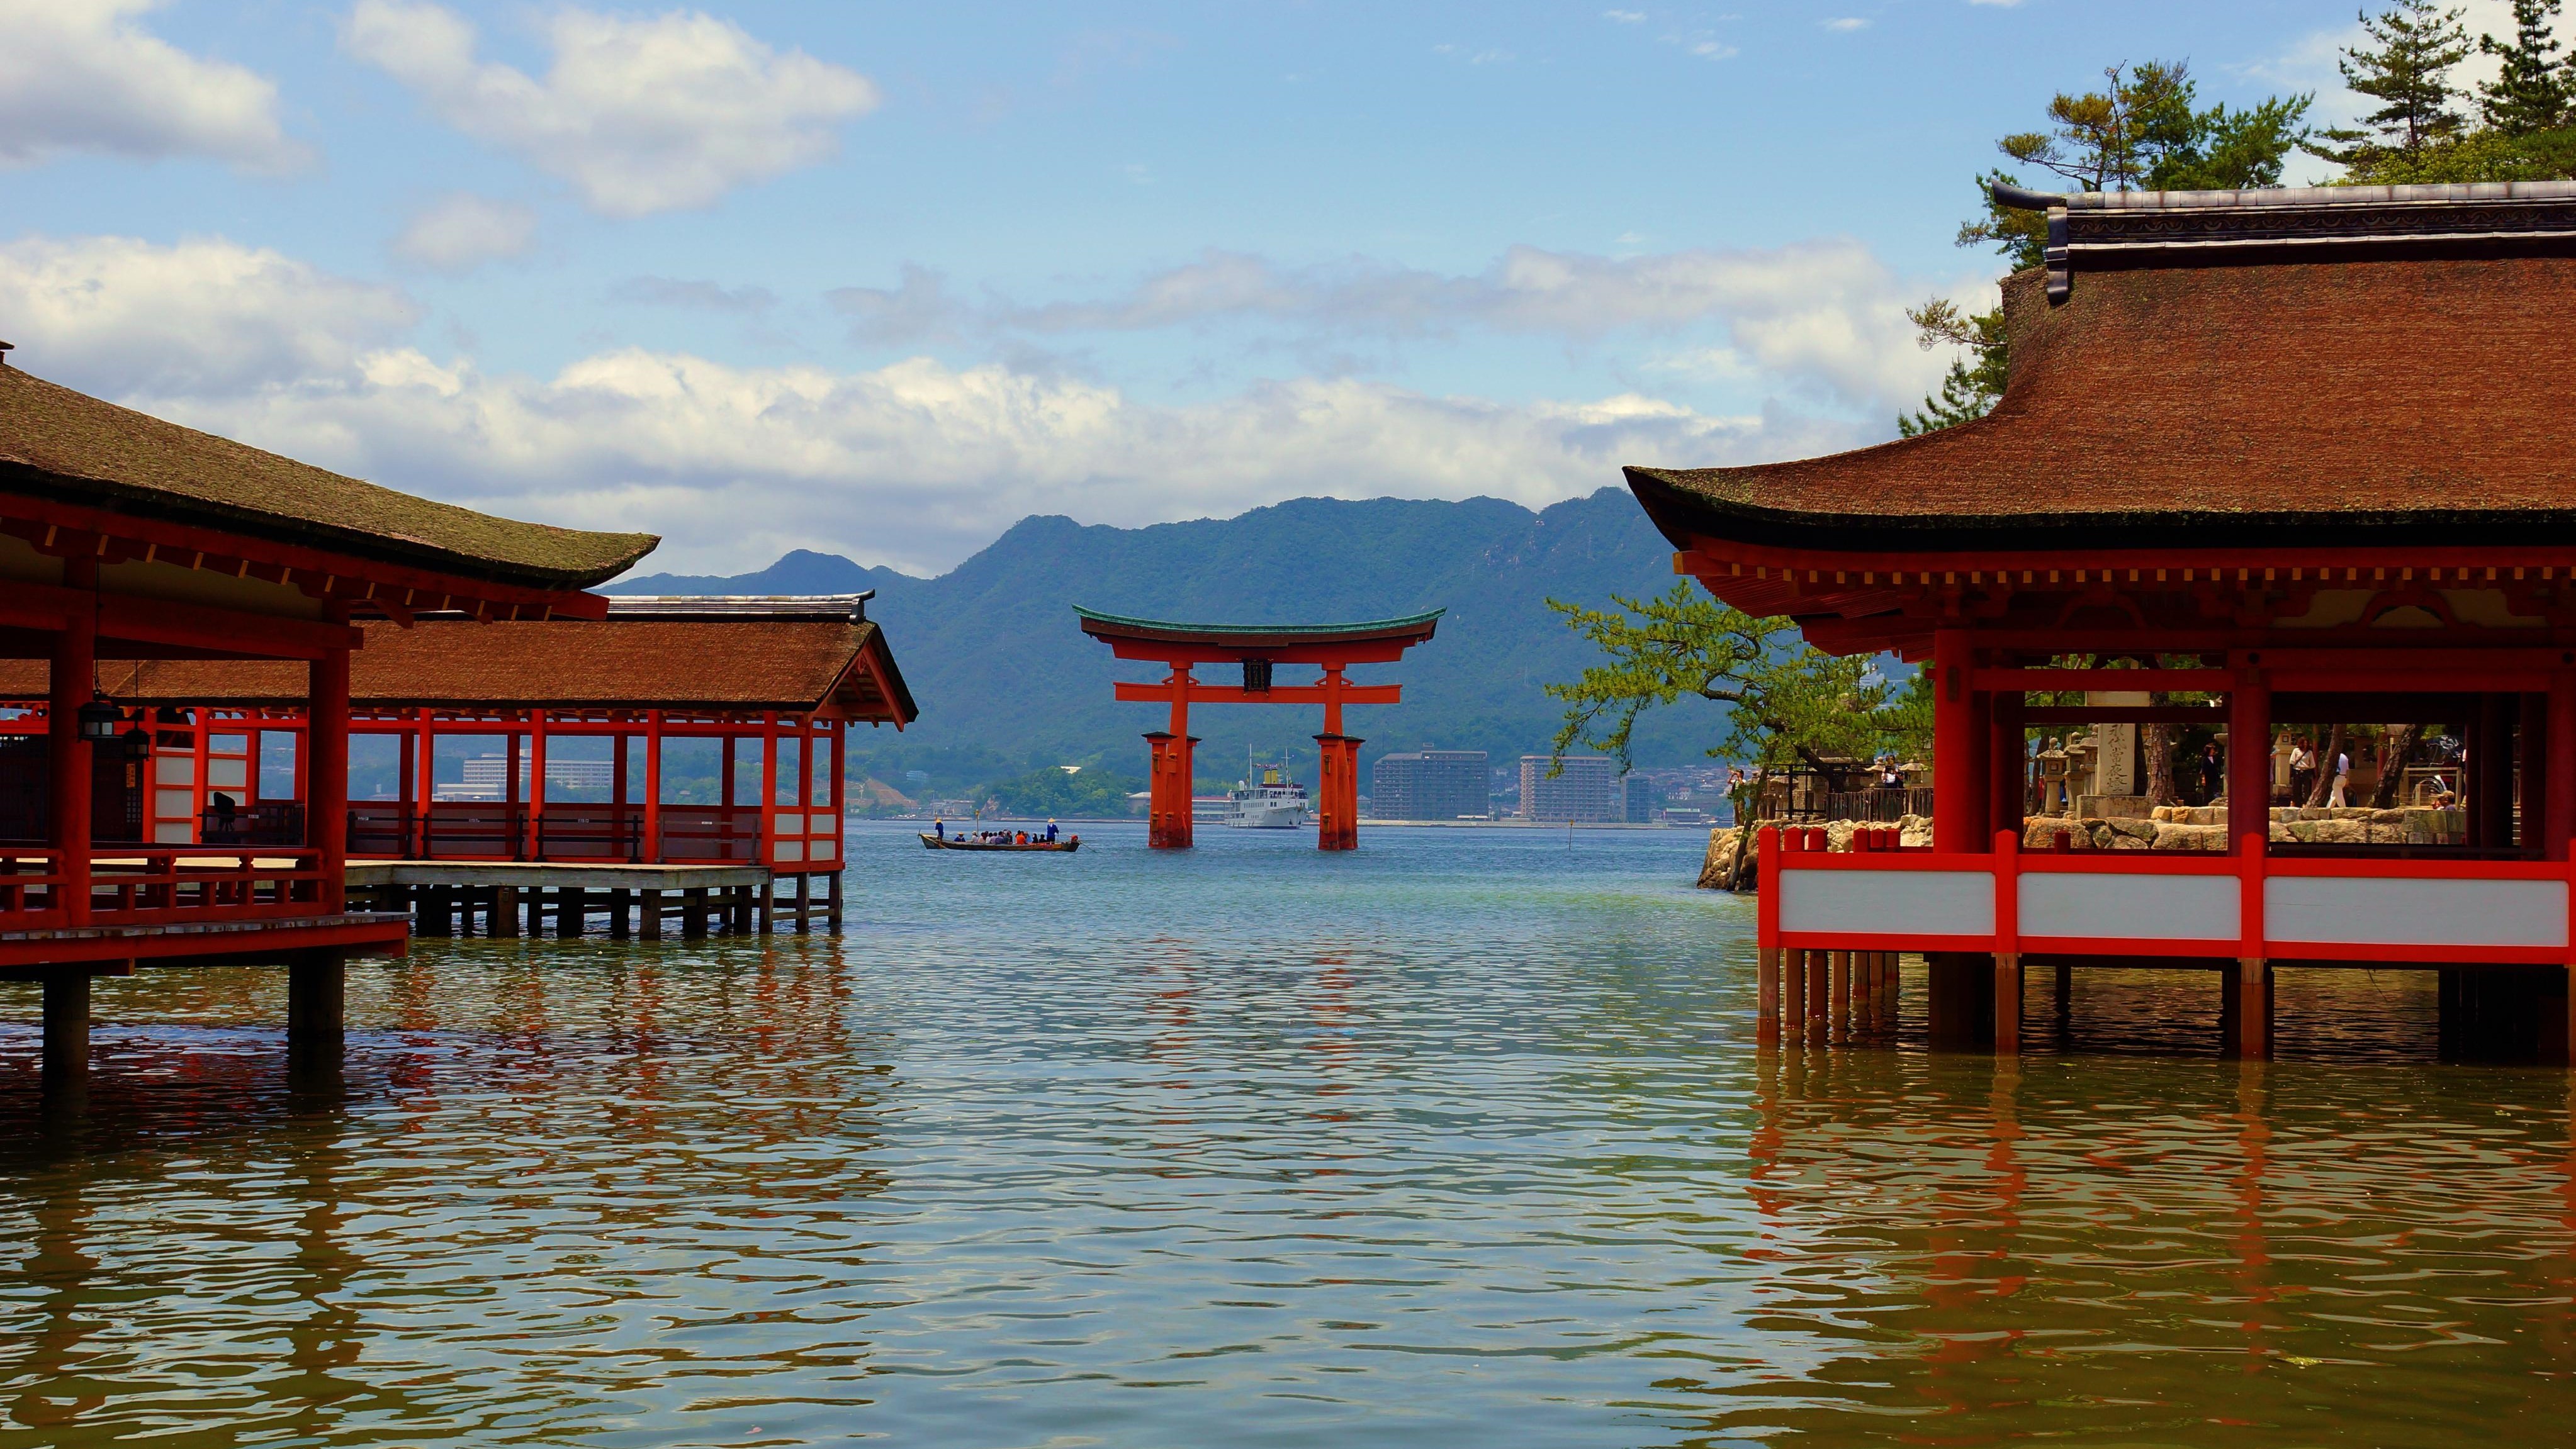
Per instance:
{"type": "Point", "coordinates": [1257, 647]}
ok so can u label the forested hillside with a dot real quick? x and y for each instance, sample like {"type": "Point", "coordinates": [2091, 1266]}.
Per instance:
{"type": "Point", "coordinates": [1007, 682]}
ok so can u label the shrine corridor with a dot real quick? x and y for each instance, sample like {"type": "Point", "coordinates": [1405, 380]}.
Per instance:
{"type": "Point", "coordinates": [1458, 1139]}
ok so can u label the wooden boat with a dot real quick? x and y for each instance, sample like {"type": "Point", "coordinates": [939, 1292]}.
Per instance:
{"type": "Point", "coordinates": [1066, 846]}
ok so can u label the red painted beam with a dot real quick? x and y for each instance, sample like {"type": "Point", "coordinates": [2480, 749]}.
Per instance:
{"type": "Point", "coordinates": [2329, 567]}
{"type": "Point", "coordinates": [270, 942]}
{"type": "Point", "coordinates": [1277, 694]}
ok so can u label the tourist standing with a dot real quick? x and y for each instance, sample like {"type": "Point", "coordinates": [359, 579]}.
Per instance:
{"type": "Point", "coordinates": [2213, 774]}
{"type": "Point", "coordinates": [2342, 768]}
{"type": "Point", "coordinates": [2303, 769]}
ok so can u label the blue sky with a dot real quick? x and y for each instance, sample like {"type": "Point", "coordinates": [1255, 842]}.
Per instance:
{"type": "Point", "coordinates": [880, 280]}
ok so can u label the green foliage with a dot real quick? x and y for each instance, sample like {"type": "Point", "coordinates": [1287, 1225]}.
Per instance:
{"type": "Point", "coordinates": [2534, 89]}
{"type": "Point", "coordinates": [2478, 156]}
{"type": "Point", "coordinates": [1055, 792]}
{"type": "Point", "coordinates": [1788, 701]}
{"type": "Point", "coordinates": [2409, 74]}
{"type": "Point", "coordinates": [2230, 150]}
{"type": "Point", "coordinates": [2142, 130]}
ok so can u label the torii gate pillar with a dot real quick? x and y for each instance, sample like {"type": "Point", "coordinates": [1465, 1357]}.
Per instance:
{"type": "Point", "coordinates": [1337, 813]}
{"type": "Point", "coordinates": [1167, 819]}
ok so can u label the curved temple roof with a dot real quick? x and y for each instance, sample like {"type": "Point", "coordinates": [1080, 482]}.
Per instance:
{"type": "Point", "coordinates": [1411, 629]}
{"type": "Point", "coordinates": [796, 656]}
{"type": "Point", "coordinates": [2317, 369]}
{"type": "Point", "coordinates": [63, 444]}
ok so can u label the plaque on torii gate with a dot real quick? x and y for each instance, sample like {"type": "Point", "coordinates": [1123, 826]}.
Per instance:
{"type": "Point", "coordinates": [1257, 647]}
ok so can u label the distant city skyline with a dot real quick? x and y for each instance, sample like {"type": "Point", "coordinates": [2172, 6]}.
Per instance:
{"type": "Point", "coordinates": [765, 275]}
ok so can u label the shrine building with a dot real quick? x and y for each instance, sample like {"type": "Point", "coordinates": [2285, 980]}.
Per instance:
{"type": "Point", "coordinates": [2312, 452]}
{"type": "Point", "coordinates": [124, 537]}
{"type": "Point", "coordinates": [679, 757]}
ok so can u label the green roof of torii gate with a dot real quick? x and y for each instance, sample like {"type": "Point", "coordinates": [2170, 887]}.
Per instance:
{"type": "Point", "coordinates": [1250, 638]}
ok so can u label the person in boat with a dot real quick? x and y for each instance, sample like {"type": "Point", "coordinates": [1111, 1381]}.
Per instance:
{"type": "Point", "coordinates": [939, 828]}
{"type": "Point", "coordinates": [1050, 832]}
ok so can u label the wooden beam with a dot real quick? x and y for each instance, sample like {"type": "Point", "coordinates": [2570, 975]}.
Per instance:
{"type": "Point", "coordinates": [2019, 681]}
{"type": "Point", "coordinates": [1276, 694]}
{"type": "Point", "coordinates": [2124, 714]}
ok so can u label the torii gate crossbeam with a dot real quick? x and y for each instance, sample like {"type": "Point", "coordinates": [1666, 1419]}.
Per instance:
{"type": "Point", "coordinates": [1256, 647]}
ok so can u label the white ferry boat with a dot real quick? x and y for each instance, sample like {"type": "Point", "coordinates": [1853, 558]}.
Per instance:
{"type": "Point", "coordinates": [1271, 801]}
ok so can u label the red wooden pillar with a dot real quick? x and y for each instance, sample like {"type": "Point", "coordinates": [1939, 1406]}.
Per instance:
{"type": "Point", "coordinates": [1167, 824]}
{"type": "Point", "coordinates": [198, 791]}
{"type": "Point", "coordinates": [405, 771]}
{"type": "Point", "coordinates": [726, 771]}
{"type": "Point", "coordinates": [653, 791]}
{"type": "Point", "coordinates": [536, 842]}
{"type": "Point", "coordinates": [808, 743]}
{"type": "Point", "coordinates": [75, 679]}
{"type": "Point", "coordinates": [768, 787]}
{"type": "Point", "coordinates": [1337, 784]}
{"type": "Point", "coordinates": [2490, 771]}
{"type": "Point", "coordinates": [2008, 764]}
{"type": "Point", "coordinates": [1955, 745]}
{"type": "Point", "coordinates": [427, 793]}
{"type": "Point", "coordinates": [2249, 761]}
{"type": "Point", "coordinates": [326, 796]}
{"type": "Point", "coordinates": [2558, 814]}
{"type": "Point", "coordinates": [1337, 817]}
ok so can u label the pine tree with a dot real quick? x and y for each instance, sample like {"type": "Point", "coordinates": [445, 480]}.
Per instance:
{"type": "Point", "coordinates": [2409, 75]}
{"type": "Point", "coordinates": [2533, 90]}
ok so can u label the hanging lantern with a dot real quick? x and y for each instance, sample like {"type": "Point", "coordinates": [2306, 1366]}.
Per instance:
{"type": "Point", "coordinates": [138, 742]}
{"type": "Point", "coordinates": [100, 721]}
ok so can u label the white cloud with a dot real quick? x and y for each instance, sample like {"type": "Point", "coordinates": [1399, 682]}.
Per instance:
{"type": "Point", "coordinates": [1823, 314]}
{"type": "Point", "coordinates": [81, 75]}
{"type": "Point", "coordinates": [1847, 23]}
{"type": "Point", "coordinates": [639, 115]}
{"type": "Point", "coordinates": [460, 231]}
{"type": "Point", "coordinates": [203, 318]}
{"type": "Point", "coordinates": [916, 464]}
{"type": "Point", "coordinates": [1624, 17]}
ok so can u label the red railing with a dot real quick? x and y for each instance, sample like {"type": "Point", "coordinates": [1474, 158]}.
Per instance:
{"type": "Point", "coordinates": [2246, 905]}
{"type": "Point", "coordinates": [154, 885]}
{"type": "Point", "coordinates": [566, 831]}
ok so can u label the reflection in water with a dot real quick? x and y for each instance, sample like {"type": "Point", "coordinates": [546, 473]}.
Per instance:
{"type": "Point", "coordinates": [1460, 1140]}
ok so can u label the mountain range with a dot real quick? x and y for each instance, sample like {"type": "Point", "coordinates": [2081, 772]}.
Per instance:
{"type": "Point", "coordinates": [1008, 683]}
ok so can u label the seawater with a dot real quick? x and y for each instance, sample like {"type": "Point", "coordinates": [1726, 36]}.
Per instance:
{"type": "Point", "coordinates": [1461, 1139]}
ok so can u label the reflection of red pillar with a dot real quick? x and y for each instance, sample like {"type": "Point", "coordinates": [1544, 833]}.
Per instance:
{"type": "Point", "coordinates": [1167, 825]}
{"type": "Point", "coordinates": [1337, 819]}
